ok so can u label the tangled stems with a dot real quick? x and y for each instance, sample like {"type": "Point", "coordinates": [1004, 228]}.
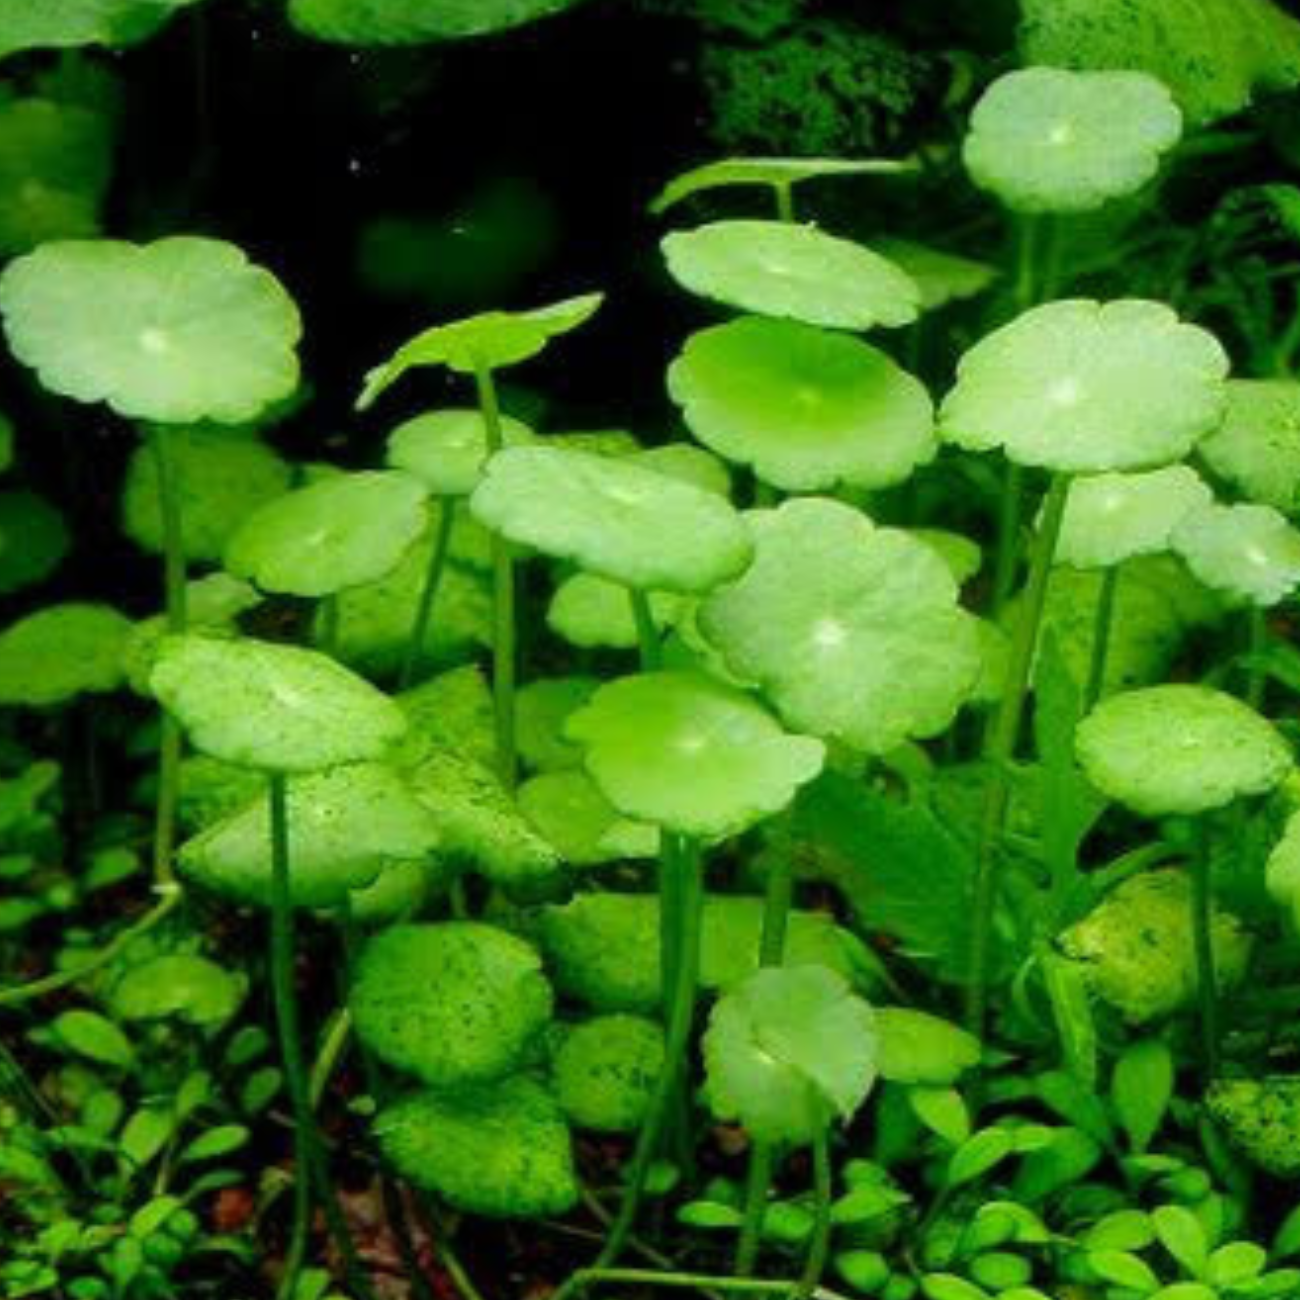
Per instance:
{"type": "Point", "coordinates": [428, 592]}
{"type": "Point", "coordinates": [1001, 747]}
{"type": "Point", "coordinates": [503, 600]}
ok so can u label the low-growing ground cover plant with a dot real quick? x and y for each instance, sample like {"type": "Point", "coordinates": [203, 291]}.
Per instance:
{"type": "Point", "coordinates": [810, 812]}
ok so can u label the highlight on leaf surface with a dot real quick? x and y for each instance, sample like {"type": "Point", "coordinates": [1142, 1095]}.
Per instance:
{"type": "Point", "coordinates": [615, 519]}
{"type": "Point", "coordinates": [809, 410]}
{"type": "Point", "coordinates": [1248, 552]}
{"type": "Point", "coordinates": [485, 342]}
{"type": "Point", "coordinates": [1110, 518]}
{"type": "Point", "coordinates": [502, 1150]}
{"type": "Point", "coordinates": [446, 450]}
{"type": "Point", "coordinates": [414, 22]}
{"type": "Point", "coordinates": [605, 1071]}
{"type": "Point", "coordinates": [1050, 140]}
{"type": "Point", "coordinates": [794, 272]}
{"type": "Point", "coordinates": [453, 1003]}
{"type": "Point", "coordinates": [1179, 749]}
{"type": "Point", "coordinates": [1081, 387]}
{"type": "Point", "coordinates": [338, 533]}
{"type": "Point", "coordinates": [789, 1050]}
{"type": "Point", "coordinates": [276, 707]}
{"type": "Point", "coordinates": [690, 754]}
{"type": "Point", "coordinates": [1257, 448]}
{"type": "Point", "coordinates": [60, 652]}
{"type": "Point", "coordinates": [853, 632]}
{"type": "Point", "coordinates": [103, 321]}
{"type": "Point", "coordinates": [347, 825]}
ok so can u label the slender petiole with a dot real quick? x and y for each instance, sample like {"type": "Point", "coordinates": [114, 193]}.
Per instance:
{"type": "Point", "coordinates": [428, 592]}
{"type": "Point", "coordinates": [1102, 630]}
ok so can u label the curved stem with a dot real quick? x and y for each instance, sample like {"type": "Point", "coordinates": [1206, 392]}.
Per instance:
{"type": "Point", "coordinates": [503, 601]}
{"type": "Point", "coordinates": [428, 592]}
{"type": "Point", "coordinates": [647, 634]}
{"type": "Point", "coordinates": [1001, 750]}
{"type": "Point", "coordinates": [819, 1247]}
{"type": "Point", "coordinates": [1102, 627]}
{"type": "Point", "coordinates": [1207, 991]}
{"type": "Point", "coordinates": [685, 863]}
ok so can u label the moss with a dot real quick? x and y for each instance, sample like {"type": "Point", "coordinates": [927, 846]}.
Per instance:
{"type": "Point", "coordinates": [1262, 1120]}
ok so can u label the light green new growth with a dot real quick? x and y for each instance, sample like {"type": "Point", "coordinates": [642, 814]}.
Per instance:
{"type": "Point", "coordinates": [446, 450]}
{"type": "Point", "coordinates": [1248, 552]}
{"type": "Point", "coordinates": [915, 1047]}
{"type": "Point", "coordinates": [773, 173]}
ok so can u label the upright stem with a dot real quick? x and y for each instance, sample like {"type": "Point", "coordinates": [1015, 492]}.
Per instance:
{"type": "Point", "coordinates": [819, 1247]}
{"type": "Point", "coordinates": [1207, 989]}
{"type": "Point", "coordinates": [1102, 626]}
{"type": "Point", "coordinates": [1007, 553]}
{"type": "Point", "coordinates": [1001, 750]}
{"type": "Point", "coordinates": [174, 589]}
{"type": "Point", "coordinates": [503, 601]}
{"type": "Point", "coordinates": [428, 592]}
{"type": "Point", "coordinates": [784, 192]}
{"type": "Point", "coordinates": [688, 896]}
{"type": "Point", "coordinates": [286, 1014]}
{"type": "Point", "coordinates": [647, 634]}
{"type": "Point", "coordinates": [328, 637]}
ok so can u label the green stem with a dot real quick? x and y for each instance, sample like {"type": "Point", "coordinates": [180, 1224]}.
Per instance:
{"type": "Point", "coordinates": [1001, 751]}
{"type": "Point", "coordinates": [338, 1033]}
{"type": "Point", "coordinates": [1207, 990]}
{"type": "Point", "coordinates": [428, 592]}
{"type": "Point", "coordinates": [647, 634]}
{"type": "Point", "coordinates": [586, 1277]}
{"type": "Point", "coordinates": [1007, 546]}
{"type": "Point", "coordinates": [327, 636]}
{"type": "Point", "coordinates": [819, 1247]}
{"type": "Point", "coordinates": [684, 862]}
{"type": "Point", "coordinates": [1256, 676]}
{"type": "Point", "coordinates": [503, 600]}
{"type": "Point", "coordinates": [784, 193]}
{"type": "Point", "coordinates": [1102, 629]}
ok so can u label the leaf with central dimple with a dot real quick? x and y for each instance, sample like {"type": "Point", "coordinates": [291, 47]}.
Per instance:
{"type": "Point", "coordinates": [800, 273]}
{"type": "Point", "coordinates": [615, 519]}
{"type": "Point", "coordinates": [853, 631]}
{"type": "Point", "coordinates": [276, 707]}
{"type": "Point", "coordinates": [1048, 140]}
{"type": "Point", "coordinates": [1180, 749]}
{"type": "Point", "coordinates": [1081, 387]}
{"type": "Point", "coordinates": [181, 330]}
{"type": "Point", "coordinates": [346, 826]}
{"type": "Point", "coordinates": [487, 342]}
{"type": "Point", "coordinates": [338, 533]}
{"type": "Point", "coordinates": [690, 754]}
{"type": "Point", "coordinates": [787, 1050]}
{"type": "Point", "coordinates": [1250, 553]}
{"type": "Point", "coordinates": [445, 450]}
{"type": "Point", "coordinates": [772, 172]}
{"type": "Point", "coordinates": [808, 409]}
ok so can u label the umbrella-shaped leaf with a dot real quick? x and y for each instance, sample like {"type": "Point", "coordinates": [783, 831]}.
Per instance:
{"type": "Point", "coordinates": [808, 409]}
{"type": "Point", "coordinates": [413, 22]}
{"type": "Point", "coordinates": [605, 1072]}
{"type": "Point", "coordinates": [60, 652]}
{"type": "Point", "coordinates": [690, 754]}
{"type": "Point", "coordinates": [918, 1048]}
{"type": "Point", "coordinates": [487, 342]}
{"type": "Point", "coordinates": [770, 172]}
{"type": "Point", "coordinates": [1082, 386]}
{"type": "Point", "coordinates": [787, 1051]}
{"type": "Point", "coordinates": [275, 707]}
{"type": "Point", "coordinates": [219, 478]}
{"type": "Point", "coordinates": [338, 533]}
{"type": "Point", "coordinates": [690, 464]}
{"type": "Point", "coordinates": [502, 1151]}
{"type": "Point", "coordinates": [1250, 553]}
{"type": "Point", "coordinates": [44, 537]}
{"type": "Point", "coordinates": [774, 268]}
{"type": "Point", "coordinates": [542, 709]}
{"type": "Point", "coordinates": [854, 632]}
{"type": "Point", "coordinates": [571, 813]}
{"type": "Point", "coordinates": [1048, 140]}
{"type": "Point", "coordinates": [37, 24]}
{"type": "Point", "coordinates": [612, 517]}
{"type": "Point", "coordinates": [1257, 448]}
{"type": "Point", "coordinates": [942, 277]}
{"type": "Point", "coordinates": [592, 612]}
{"type": "Point", "coordinates": [177, 331]}
{"type": "Point", "coordinates": [454, 1003]}
{"type": "Point", "coordinates": [1180, 749]}
{"type": "Point", "coordinates": [1113, 517]}
{"type": "Point", "coordinates": [345, 826]}
{"type": "Point", "coordinates": [445, 450]}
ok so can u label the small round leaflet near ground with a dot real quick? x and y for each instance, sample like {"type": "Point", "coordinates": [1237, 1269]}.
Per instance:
{"type": "Point", "coordinates": [61, 651]}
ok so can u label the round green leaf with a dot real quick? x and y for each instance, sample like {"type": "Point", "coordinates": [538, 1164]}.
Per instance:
{"type": "Point", "coordinates": [690, 754]}
{"type": "Point", "coordinates": [586, 829]}
{"type": "Point", "coordinates": [502, 1151]}
{"type": "Point", "coordinates": [413, 22]}
{"type": "Point", "coordinates": [606, 1070]}
{"type": "Point", "coordinates": [1048, 140]}
{"type": "Point", "coordinates": [1113, 517]}
{"type": "Point", "coordinates": [1081, 386]}
{"type": "Point", "coordinates": [60, 652]}
{"type": "Point", "coordinates": [1257, 448]}
{"type": "Point", "coordinates": [338, 533]}
{"type": "Point", "coordinates": [445, 450]}
{"type": "Point", "coordinates": [854, 632]}
{"type": "Point", "coordinates": [276, 707]}
{"type": "Point", "coordinates": [542, 709]}
{"type": "Point", "coordinates": [775, 268]}
{"type": "Point", "coordinates": [454, 1003]}
{"type": "Point", "coordinates": [44, 537]}
{"type": "Point", "coordinates": [486, 342]}
{"type": "Point", "coordinates": [772, 172]}
{"type": "Point", "coordinates": [591, 612]}
{"type": "Point", "coordinates": [615, 519]}
{"type": "Point", "coordinates": [808, 409]}
{"type": "Point", "coordinates": [36, 24]}
{"type": "Point", "coordinates": [689, 464]}
{"type": "Point", "coordinates": [918, 1048]}
{"type": "Point", "coordinates": [221, 350]}
{"type": "Point", "coordinates": [1180, 749]}
{"type": "Point", "coordinates": [942, 277]}
{"type": "Point", "coordinates": [184, 985]}
{"type": "Point", "coordinates": [1248, 552]}
{"type": "Point", "coordinates": [787, 1050]}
